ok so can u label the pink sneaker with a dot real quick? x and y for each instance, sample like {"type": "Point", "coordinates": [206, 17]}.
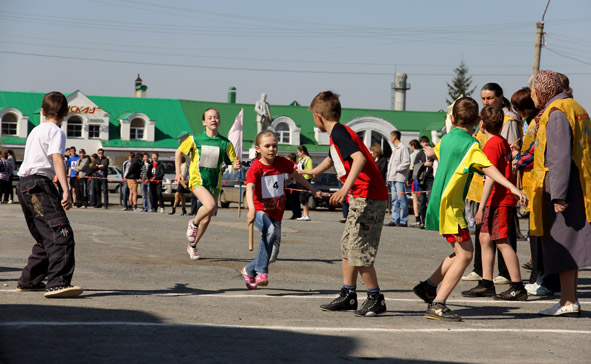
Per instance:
{"type": "Point", "coordinates": [193, 253]}
{"type": "Point", "coordinates": [250, 282]}
{"type": "Point", "coordinates": [191, 231]}
{"type": "Point", "coordinates": [262, 279]}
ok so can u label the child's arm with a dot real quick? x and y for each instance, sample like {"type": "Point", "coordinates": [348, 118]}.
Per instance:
{"type": "Point", "coordinates": [323, 166]}
{"type": "Point", "coordinates": [359, 161]}
{"type": "Point", "coordinates": [178, 178]}
{"type": "Point", "coordinates": [486, 191]}
{"type": "Point", "coordinates": [250, 203]}
{"type": "Point", "coordinates": [60, 172]}
{"type": "Point", "coordinates": [299, 178]}
{"type": "Point", "coordinates": [493, 173]}
{"type": "Point", "coordinates": [429, 153]}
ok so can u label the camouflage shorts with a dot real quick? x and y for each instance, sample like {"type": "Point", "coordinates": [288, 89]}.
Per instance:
{"type": "Point", "coordinates": [360, 241]}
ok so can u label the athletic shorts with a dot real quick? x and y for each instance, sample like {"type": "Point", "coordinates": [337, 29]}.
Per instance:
{"type": "Point", "coordinates": [414, 186]}
{"type": "Point", "coordinates": [495, 221]}
{"type": "Point", "coordinates": [363, 228]}
{"type": "Point", "coordinates": [215, 192]}
{"type": "Point", "coordinates": [460, 237]}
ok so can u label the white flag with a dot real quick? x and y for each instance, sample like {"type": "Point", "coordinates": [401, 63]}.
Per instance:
{"type": "Point", "coordinates": [235, 134]}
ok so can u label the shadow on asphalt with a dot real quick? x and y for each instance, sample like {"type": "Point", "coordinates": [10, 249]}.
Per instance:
{"type": "Point", "coordinates": [91, 335]}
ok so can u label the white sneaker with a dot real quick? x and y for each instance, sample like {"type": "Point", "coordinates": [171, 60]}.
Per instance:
{"type": "Point", "coordinates": [472, 276]}
{"type": "Point", "coordinates": [536, 289]}
{"type": "Point", "coordinates": [501, 280]}
{"type": "Point", "coordinates": [193, 253]}
{"type": "Point", "coordinates": [161, 210]}
{"type": "Point", "coordinates": [303, 218]}
{"type": "Point", "coordinates": [567, 310]}
{"type": "Point", "coordinates": [191, 231]}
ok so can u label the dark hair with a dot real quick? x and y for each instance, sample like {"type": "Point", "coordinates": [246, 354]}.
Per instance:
{"type": "Point", "coordinates": [327, 104]}
{"type": "Point", "coordinates": [523, 103]}
{"type": "Point", "coordinates": [492, 118]}
{"type": "Point", "coordinates": [425, 138]}
{"type": "Point", "coordinates": [82, 151]}
{"type": "Point", "coordinates": [396, 133]}
{"type": "Point", "coordinates": [55, 105]}
{"type": "Point", "coordinates": [292, 157]}
{"type": "Point", "coordinates": [94, 155]}
{"type": "Point", "coordinates": [498, 91]}
{"type": "Point", "coordinates": [303, 149]}
{"type": "Point", "coordinates": [415, 144]}
{"type": "Point", "coordinates": [101, 150]}
{"type": "Point", "coordinates": [157, 155]}
{"type": "Point", "coordinates": [139, 155]}
{"type": "Point", "coordinates": [465, 112]}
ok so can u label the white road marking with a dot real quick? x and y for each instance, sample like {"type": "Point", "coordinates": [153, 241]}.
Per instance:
{"type": "Point", "coordinates": [17, 324]}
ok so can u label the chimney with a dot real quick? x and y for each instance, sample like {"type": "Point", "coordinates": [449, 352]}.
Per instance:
{"type": "Point", "coordinates": [140, 90]}
{"type": "Point", "coordinates": [399, 92]}
{"type": "Point", "coordinates": [232, 95]}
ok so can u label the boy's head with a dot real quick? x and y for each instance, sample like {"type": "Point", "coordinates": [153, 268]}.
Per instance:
{"type": "Point", "coordinates": [155, 156]}
{"type": "Point", "coordinates": [414, 144]}
{"type": "Point", "coordinates": [425, 141]}
{"type": "Point", "coordinates": [326, 105]}
{"type": "Point", "coordinates": [146, 157]}
{"type": "Point", "coordinates": [55, 106]}
{"type": "Point", "coordinates": [465, 112]}
{"type": "Point", "coordinates": [492, 119]}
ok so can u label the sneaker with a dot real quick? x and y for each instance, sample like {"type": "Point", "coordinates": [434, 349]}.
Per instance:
{"type": "Point", "coordinates": [373, 305]}
{"type": "Point", "coordinates": [472, 276]}
{"type": "Point", "coordinates": [440, 311]}
{"type": "Point", "coordinates": [535, 289]}
{"type": "Point", "coordinates": [303, 218]}
{"type": "Point", "coordinates": [191, 231]}
{"type": "Point", "coordinates": [343, 302]}
{"type": "Point", "coordinates": [342, 221]}
{"type": "Point", "coordinates": [391, 223]}
{"type": "Point", "coordinates": [415, 224]}
{"type": "Point", "coordinates": [425, 291]}
{"type": "Point", "coordinates": [193, 253]}
{"type": "Point", "coordinates": [572, 310]}
{"type": "Point", "coordinates": [480, 291]}
{"type": "Point", "coordinates": [161, 210]}
{"type": "Point", "coordinates": [528, 266]}
{"type": "Point", "coordinates": [512, 294]}
{"type": "Point", "coordinates": [501, 280]}
{"type": "Point", "coordinates": [262, 280]}
{"type": "Point", "coordinates": [40, 287]}
{"type": "Point", "coordinates": [250, 282]}
{"type": "Point", "coordinates": [65, 291]}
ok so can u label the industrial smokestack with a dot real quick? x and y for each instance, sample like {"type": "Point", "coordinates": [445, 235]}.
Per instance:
{"type": "Point", "coordinates": [399, 88]}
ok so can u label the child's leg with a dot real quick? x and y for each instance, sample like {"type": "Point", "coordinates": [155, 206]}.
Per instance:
{"type": "Point", "coordinates": [369, 276]}
{"type": "Point", "coordinates": [463, 257]}
{"type": "Point", "coordinates": [510, 257]}
{"type": "Point", "coordinates": [349, 273]}
{"type": "Point", "coordinates": [437, 276]}
{"type": "Point", "coordinates": [270, 234]}
{"type": "Point", "coordinates": [207, 209]}
{"type": "Point", "coordinates": [487, 255]}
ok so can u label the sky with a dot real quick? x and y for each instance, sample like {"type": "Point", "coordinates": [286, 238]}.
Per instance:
{"type": "Point", "coordinates": [196, 50]}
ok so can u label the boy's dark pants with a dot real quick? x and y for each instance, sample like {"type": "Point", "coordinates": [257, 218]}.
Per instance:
{"type": "Point", "coordinates": [53, 252]}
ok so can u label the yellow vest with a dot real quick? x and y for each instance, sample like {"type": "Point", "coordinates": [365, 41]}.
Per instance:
{"type": "Point", "coordinates": [581, 155]}
{"type": "Point", "coordinates": [526, 176]}
{"type": "Point", "coordinates": [475, 190]}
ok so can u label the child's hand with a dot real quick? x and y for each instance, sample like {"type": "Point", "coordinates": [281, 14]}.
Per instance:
{"type": "Point", "coordinates": [478, 217]}
{"type": "Point", "coordinates": [560, 206]}
{"type": "Point", "coordinates": [66, 202]}
{"type": "Point", "coordinates": [237, 165]}
{"type": "Point", "coordinates": [520, 195]}
{"type": "Point", "coordinates": [337, 197]}
{"type": "Point", "coordinates": [250, 216]}
{"type": "Point", "coordinates": [316, 192]}
{"type": "Point", "coordinates": [178, 178]}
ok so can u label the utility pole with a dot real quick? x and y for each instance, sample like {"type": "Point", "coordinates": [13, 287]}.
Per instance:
{"type": "Point", "coordinates": [539, 42]}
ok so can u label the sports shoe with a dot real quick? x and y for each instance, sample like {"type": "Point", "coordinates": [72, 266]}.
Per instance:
{"type": "Point", "coordinates": [480, 291]}
{"type": "Point", "coordinates": [191, 231]}
{"type": "Point", "coordinates": [193, 253]}
{"type": "Point", "coordinates": [373, 305]}
{"type": "Point", "coordinates": [303, 218]}
{"type": "Point", "coordinates": [425, 291]}
{"type": "Point", "coordinates": [529, 265]}
{"type": "Point", "coordinates": [472, 276]}
{"type": "Point", "coordinates": [162, 210]}
{"type": "Point", "coordinates": [440, 311]}
{"type": "Point", "coordinates": [343, 302]}
{"type": "Point", "coordinates": [40, 287]}
{"type": "Point", "coordinates": [262, 280]}
{"type": "Point", "coordinates": [512, 294]}
{"type": "Point", "coordinates": [572, 310]}
{"type": "Point", "coordinates": [535, 289]}
{"type": "Point", "coordinates": [65, 291]}
{"type": "Point", "coordinates": [501, 280]}
{"type": "Point", "coordinates": [250, 282]}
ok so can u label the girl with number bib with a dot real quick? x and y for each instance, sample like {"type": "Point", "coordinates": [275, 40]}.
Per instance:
{"type": "Point", "coordinates": [265, 196]}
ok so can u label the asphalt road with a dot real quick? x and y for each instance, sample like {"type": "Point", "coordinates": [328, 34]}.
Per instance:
{"type": "Point", "coordinates": [146, 302]}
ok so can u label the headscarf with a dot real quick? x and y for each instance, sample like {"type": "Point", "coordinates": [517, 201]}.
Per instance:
{"type": "Point", "coordinates": [546, 85]}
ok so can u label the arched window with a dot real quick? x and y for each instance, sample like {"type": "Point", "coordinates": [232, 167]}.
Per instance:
{"type": "Point", "coordinates": [136, 129]}
{"type": "Point", "coordinates": [9, 122]}
{"type": "Point", "coordinates": [382, 141]}
{"type": "Point", "coordinates": [74, 128]}
{"type": "Point", "coordinates": [282, 131]}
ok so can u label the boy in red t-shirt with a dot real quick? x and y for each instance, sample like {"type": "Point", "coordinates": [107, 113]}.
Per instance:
{"type": "Point", "coordinates": [360, 175]}
{"type": "Point", "coordinates": [494, 213]}
{"type": "Point", "coordinates": [265, 196]}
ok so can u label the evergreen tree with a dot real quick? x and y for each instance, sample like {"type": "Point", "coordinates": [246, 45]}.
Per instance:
{"type": "Point", "coordinates": [460, 84]}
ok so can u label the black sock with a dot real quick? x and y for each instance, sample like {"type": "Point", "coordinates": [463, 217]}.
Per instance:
{"type": "Point", "coordinates": [517, 286]}
{"type": "Point", "coordinates": [486, 283]}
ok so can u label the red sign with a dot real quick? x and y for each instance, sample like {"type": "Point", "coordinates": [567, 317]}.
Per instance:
{"type": "Point", "coordinates": [83, 109]}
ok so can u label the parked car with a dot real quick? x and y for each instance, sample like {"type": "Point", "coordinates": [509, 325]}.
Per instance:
{"type": "Point", "coordinates": [325, 182]}
{"type": "Point", "coordinates": [15, 177]}
{"type": "Point", "coordinates": [114, 178]}
{"type": "Point", "coordinates": [231, 182]}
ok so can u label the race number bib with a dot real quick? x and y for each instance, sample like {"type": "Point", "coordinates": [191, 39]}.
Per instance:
{"type": "Point", "coordinates": [338, 163]}
{"type": "Point", "coordinates": [273, 186]}
{"type": "Point", "coordinates": [209, 156]}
